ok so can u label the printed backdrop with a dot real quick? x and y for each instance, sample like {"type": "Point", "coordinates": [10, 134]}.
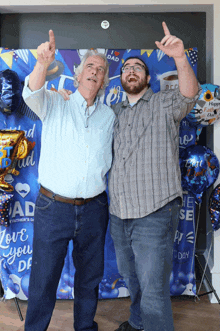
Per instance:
{"type": "Point", "coordinates": [16, 240]}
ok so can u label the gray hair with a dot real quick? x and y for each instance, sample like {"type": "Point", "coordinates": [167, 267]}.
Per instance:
{"type": "Point", "coordinates": [80, 67]}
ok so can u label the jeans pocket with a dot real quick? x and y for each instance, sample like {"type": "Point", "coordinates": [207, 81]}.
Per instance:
{"type": "Point", "coordinates": [102, 199]}
{"type": "Point", "coordinates": [177, 202]}
{"type": "Point", "coordinates": [43, 202]}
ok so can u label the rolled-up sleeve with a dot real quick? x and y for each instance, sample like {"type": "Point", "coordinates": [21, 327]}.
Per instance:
{"type": "Point", "coordinates": [38, 101]}
{"type": "Point", "coordinates": [182, 105]}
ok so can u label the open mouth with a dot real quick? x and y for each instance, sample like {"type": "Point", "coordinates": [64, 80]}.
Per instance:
{"type": "Point", "coordinates": [92, 79]}
{"type": "Point", "coordinates": [132, 79]}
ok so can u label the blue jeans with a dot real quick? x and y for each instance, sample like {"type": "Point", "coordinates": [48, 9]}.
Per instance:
{"type": "Point", "coordinates": [55, 224]}
{"type": "Point", "coordinates": [144, 249]}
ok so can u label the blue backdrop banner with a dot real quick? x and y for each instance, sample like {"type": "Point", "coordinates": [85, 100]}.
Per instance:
{"type": "Point", "coordinates": [16, 239]}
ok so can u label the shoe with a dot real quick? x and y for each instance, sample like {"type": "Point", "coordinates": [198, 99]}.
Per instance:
{"type": "Point", "coordinates": [125, 326]}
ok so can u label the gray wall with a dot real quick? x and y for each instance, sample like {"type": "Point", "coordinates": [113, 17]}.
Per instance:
{"type": "Point", "coordinates": [127, 30]}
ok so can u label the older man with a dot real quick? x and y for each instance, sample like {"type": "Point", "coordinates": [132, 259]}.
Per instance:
{"type": "Point", "coordinates": [76, 154]}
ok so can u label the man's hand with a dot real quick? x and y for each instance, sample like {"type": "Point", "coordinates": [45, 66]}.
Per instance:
{"type": "Point", "coordinates": [65, 93]}
{"type": "Point", "coordinates": [45, 56]}
{"type": "Point", "coordinates": [46, 51]}
{"type": "Point", "coordinates": [171, 45]}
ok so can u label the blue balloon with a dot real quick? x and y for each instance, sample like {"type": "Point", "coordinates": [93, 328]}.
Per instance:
{"type": "Point", "coordinates": [177, 289]}
{"type": "Point", "coordinates": [191, 277]}
{"type": "Point", "coordinates": [104, 281]}
{"type": "Point", "coordinates": [16, 289]}
{"type": "Point", "coordinates": [183, 279]}
{"type": "Point", "coordinates": [11, 285]}
{"type": "Point", "coordinates": [10, 91]}
{"type": "Point", "coordinates": [110, 293]}
{"type": "Point", "coordinates": [199, 169]}
{"type": "Point", "coordinates": [214, 207]}
{"type": "Point", "coordinates": [68, 279]}
{"type": "Point", "coordinates": [25, 283]}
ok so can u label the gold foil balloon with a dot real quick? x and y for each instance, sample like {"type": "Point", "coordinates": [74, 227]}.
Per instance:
{"type": "Point", "coordinates": [13, 146]}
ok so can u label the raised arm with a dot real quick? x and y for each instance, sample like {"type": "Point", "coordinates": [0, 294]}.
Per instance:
{"type": "Point", "coordinates": [173, 47]}
{"type": "Point", "coordinates": [45, 56]}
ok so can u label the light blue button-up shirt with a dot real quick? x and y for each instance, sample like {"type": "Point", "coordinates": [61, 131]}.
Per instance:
{"type": "Point", "coordinates": [76, 142]}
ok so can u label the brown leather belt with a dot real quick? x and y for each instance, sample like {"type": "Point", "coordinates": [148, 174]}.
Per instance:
{"type": "Point", "coordinates": [51, 195]}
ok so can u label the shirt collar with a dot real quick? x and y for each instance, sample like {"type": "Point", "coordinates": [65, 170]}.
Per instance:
{"type": "Point", "coordinates": [146, 96]}
{"type": "Point", "coordinates": [83, 104]}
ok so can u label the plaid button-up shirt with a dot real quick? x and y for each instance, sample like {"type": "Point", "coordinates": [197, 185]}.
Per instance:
{"type": "Point", "coordinates": [145, 173]}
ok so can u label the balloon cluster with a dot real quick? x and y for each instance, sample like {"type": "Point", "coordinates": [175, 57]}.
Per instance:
{"type": "Point", "coordinates": [13, 143]}
{"type": "Point", "coordinates": [182, 282]}
{"type": "Point", "coordinates": [15, 284]}
{"type": "Point", "coordinates": [199, 169]}
{"type": "Point", "coordinates": [108, 289]}
{"type": "Point", "coordinates": [199, 165]}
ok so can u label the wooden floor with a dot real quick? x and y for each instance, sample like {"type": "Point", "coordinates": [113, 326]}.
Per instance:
{"type": "Point", "coordinates": [189, 315]}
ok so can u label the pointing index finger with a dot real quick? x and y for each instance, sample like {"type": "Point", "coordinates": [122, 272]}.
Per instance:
{"type": "Point", "coordinates": [165, 29]}
{"type": "Point", "coordinates": [52, 40]}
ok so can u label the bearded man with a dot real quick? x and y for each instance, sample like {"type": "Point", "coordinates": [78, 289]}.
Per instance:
{"type": "Point", "coordinates": [145, 184]}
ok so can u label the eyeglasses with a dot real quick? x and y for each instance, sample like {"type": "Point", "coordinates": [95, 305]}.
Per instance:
{"type": "Point", "coordinates": [136, 68]}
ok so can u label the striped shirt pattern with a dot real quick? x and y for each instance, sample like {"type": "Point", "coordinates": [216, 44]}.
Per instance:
{"type": "Point", "coordinates": [145, 173]}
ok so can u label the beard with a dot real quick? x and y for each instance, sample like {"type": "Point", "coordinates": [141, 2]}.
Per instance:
{"type": "Point", "coordinates": [134, 89]}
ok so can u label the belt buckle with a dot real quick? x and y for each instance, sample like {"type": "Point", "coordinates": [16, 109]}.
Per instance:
{"type": "Point", "coordinates": [73, 202]}
{"type": "Point", "coordinates": [80, 201]}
